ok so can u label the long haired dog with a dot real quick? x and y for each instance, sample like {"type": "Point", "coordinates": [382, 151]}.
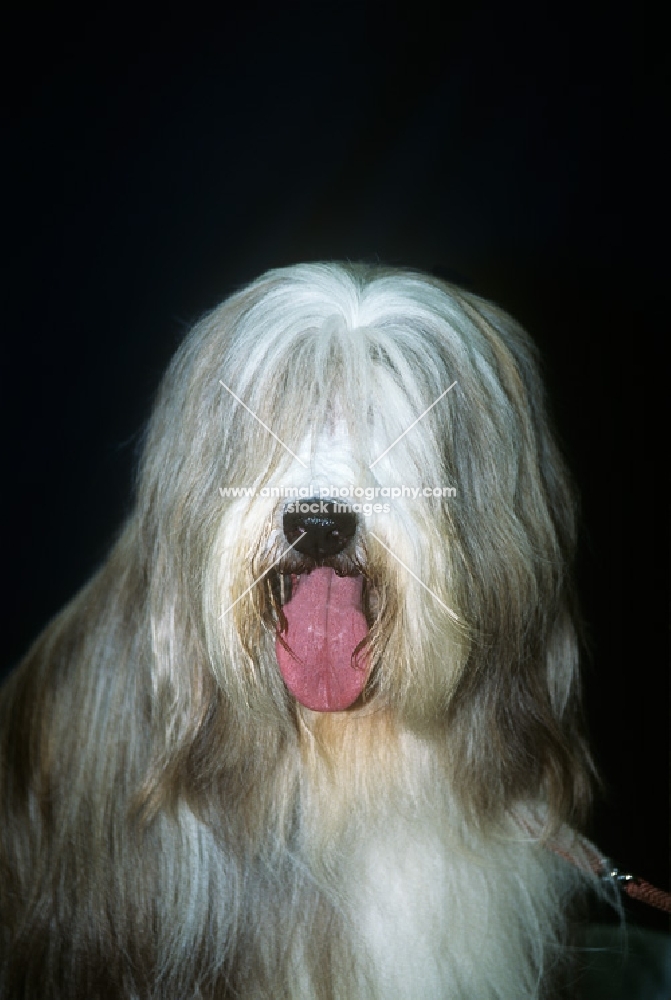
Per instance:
{"type": "Point", "coordinates": [314, 749]}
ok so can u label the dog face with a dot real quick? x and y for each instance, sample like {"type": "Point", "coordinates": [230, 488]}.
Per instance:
{"type": "Point", "coordinates": [452, 608]}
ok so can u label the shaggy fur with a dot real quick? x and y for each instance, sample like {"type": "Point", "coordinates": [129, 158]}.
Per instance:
{"type": "Point", "coordinates": [173, 822]}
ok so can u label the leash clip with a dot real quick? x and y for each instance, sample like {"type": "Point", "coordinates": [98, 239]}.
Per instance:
{"type": "Point", "coordinates": [609, 873]}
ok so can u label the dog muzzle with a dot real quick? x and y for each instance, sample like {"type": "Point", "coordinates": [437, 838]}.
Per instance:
{"type": "Point", "coordinates": [321, 653]}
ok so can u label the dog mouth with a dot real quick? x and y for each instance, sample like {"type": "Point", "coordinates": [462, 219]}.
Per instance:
{"type": "Point", "coordinates": [321, 652]}
{"type": "Point", "coordinates": [326, 609]}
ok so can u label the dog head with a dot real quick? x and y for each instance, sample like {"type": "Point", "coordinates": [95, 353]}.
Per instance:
{"type": "Point", "coordinates": [356, 386]}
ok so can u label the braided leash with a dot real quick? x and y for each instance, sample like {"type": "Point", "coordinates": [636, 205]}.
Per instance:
{"type": "Point", "coordinates": [584, 855]}
{"type": "Point", "coordinates": [635, 887]}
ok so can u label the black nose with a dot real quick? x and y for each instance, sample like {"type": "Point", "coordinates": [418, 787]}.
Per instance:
{"type": "Point", "coordinates": [323, 527]}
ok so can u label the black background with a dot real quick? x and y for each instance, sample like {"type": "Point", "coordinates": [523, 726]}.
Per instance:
{"type": "Point", "coordinates": [155, 166]}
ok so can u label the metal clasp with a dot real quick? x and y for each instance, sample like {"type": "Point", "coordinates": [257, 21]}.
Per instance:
{"type": "Point", "coordinates": [609, 873]}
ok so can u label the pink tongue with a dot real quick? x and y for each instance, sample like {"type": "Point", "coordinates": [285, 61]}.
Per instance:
{"type": "Point", "coordinates": [325, 625]}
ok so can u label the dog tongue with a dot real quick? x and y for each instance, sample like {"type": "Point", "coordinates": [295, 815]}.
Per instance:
{"type": "Point", "coordinates": [325, 625]}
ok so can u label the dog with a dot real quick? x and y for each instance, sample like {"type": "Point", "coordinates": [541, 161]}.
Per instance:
{"type": "Point", "coordinates": [313, 728]}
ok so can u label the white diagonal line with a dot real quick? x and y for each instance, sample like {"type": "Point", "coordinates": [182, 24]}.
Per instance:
{"type": "Point", "coordinates": [267, 570]}
{"type": "Point", "coordinates": [265, 426]}
{"type": "Point", "coordinates": [450, 612]}
{"type": "Point", "coordinates": [420, 417]}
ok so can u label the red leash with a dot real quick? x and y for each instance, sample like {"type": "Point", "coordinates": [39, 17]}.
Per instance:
{"type": "Point", "coordinates": [638, 888]}
{"type": "Point", "coordinates": [581, 853]}
{"type": "Point", "coordinates": [634, 886]}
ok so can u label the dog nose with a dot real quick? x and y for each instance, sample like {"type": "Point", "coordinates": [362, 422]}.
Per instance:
{"type": "Point", "coordinates": [320, 528]}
